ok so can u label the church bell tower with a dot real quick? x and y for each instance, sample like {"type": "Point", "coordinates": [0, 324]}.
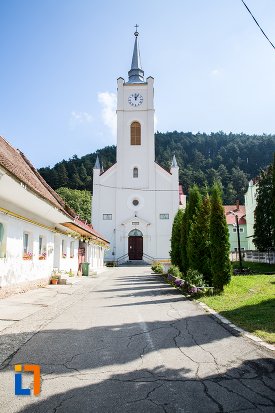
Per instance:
{"type": "Point", "coordinates": [135, 125]}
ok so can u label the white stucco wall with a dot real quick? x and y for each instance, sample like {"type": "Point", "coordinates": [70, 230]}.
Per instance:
{"type": "Point", "coordinates": [156, 190]}
{"type": "Point", "coordinates": [13, 269]}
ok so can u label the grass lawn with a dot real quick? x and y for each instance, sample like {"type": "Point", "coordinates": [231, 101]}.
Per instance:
{"type": "Point", "coordinates": [257, 267]}
{"type": "Point", "coordinates": [249, 302]}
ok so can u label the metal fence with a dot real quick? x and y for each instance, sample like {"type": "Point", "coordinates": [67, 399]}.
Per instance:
{"type": "Point", "coordinates": [257, 256]}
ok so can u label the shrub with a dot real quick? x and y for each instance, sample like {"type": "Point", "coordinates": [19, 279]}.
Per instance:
{"type": "Point", "coordinates": [157, 267]}
{"type": "Point", "coordinates": [178, 282]}
{"type": "Point", "coordinates": [175, 271]}
{"type": "Point", "coordinates": [193, 277]}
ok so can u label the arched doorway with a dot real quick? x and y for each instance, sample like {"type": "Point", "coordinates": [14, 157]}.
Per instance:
{"type": "Point", "coordinates": [135, 245]}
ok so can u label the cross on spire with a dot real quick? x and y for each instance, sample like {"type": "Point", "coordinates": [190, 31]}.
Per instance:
{"type": "Point", "coordinates": [136, 32]}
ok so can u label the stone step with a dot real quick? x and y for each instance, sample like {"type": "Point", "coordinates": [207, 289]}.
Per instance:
{"type": "Point", "coordinates": [134, 263]}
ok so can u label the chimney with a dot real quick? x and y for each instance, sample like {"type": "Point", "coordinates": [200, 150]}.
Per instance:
{"type": "Point", "coordinates": [237, 205]}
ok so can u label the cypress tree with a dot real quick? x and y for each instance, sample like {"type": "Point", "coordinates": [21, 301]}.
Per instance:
{"type": "Point", "coordinates": [263, 233]}
{"type": "Point", "coordinates": [219, 242]}
{"type": "Point", "coordinates": [183, 242]}
{"type": "Point", "coordinates": [175, 252]}
{"type": "Point", "coordinates": [194, 203]}
{"type": "Point", "coordinates": [273, 201]}
{"type": "Point", "coordinates": [199, 241]}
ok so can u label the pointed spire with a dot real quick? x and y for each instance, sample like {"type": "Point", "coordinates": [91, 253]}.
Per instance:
{"type": "Point", "coordinates": [136, 74]}
{"type": "Point", "coordinates": [97, 163]}
{"type": "Point", "coordinates": [174, 162]}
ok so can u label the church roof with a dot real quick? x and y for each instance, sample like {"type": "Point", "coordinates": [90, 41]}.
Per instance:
{"type": "Point", "coordinates": [136, 74]}
{"type": "Point", "coordinates": [19, 167]}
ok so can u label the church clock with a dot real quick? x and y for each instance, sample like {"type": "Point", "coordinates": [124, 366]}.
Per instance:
{"type": "Point", "coordinates": [135, 99]}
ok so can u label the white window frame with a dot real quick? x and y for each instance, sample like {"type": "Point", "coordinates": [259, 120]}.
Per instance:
{"type": "Point", "coordinates": [72, 249]}
{"type": "Point", "coordinates": [2, 240]}
{"type": "Point", "coordinates": [64, 248]}
{"type": "Point", "coordinates": [28, 248]}
{"type": "Point", "coordinates": [164, 216]}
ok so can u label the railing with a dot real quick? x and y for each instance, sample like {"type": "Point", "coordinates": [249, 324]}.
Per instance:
{"type": "Point", "coordinates": [148, 258]}
{"type": "Point", "coordinates": [122, 259]}
{"type": "Point", "coordinates": [257, 256]}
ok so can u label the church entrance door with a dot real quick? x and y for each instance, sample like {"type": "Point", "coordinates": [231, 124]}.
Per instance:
{"type": "Point", "coordinates": [135, 245]}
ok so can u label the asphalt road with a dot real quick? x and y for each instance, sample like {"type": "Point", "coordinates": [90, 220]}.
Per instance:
{"type": "Point", "coordinates": [128, 342]}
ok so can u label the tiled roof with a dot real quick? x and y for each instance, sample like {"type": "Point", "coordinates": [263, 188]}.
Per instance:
{"type": "Point", "coordinates": [238, 210]}
{"type": "Point", "coordinates": [16, 164]}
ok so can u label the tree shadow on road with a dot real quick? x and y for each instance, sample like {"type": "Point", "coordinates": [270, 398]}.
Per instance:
{"type": "Point", "coordinates": [248, 387]}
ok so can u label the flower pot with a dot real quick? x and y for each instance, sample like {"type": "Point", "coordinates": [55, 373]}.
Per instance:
{"type": "Point", "coordinates": [54, 281]}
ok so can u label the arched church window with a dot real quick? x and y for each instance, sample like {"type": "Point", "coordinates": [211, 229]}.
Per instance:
{"type": "Point", "coordinates": [135, 133]}
{"type": "Point", "coordinates": [135, 172]}
{"type": "Point", "coordinates": [135, 233]}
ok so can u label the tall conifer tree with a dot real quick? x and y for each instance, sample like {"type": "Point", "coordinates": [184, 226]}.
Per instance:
{"type": "Point", "coordinates": [199, 241]}
{"type": "Point", "coordinates": [263, 233]}
{"type": "Point", "coordinates": [273, 201]}
{"type": "Point", "coordinates": [175, 252]}
{"type": "Point", "coordinates": [219, 242]}
{"type": "Point", "coordinates": [194, 203]}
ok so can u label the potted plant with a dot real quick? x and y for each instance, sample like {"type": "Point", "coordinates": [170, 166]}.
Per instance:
{"type": "Point", "coordinates": [54, 279]}
{"type": "Point", "coordinates": [43, 256]}
{"type": "Point", "coordinates": [27, 256]}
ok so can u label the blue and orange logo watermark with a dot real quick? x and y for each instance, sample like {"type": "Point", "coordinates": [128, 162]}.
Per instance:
{"type": "Point", "coordinates": [19, 369]}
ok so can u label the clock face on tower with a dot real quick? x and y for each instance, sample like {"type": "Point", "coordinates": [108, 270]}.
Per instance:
{"type": "Point", "coordinates": [135, 99]}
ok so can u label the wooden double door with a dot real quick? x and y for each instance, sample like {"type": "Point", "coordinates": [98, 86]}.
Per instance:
{"type": "Point", "coordinates": [135, 248]}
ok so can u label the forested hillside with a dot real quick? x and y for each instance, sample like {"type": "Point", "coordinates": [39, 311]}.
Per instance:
{"type": "Point", "coordinates": [231, 158]}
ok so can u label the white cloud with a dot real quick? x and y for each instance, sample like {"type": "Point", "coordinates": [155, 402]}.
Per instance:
{"type": "Point", "coordinates": [215, 72]}
{"type": "Point", "coordinates": [81, 117]}
{"type": "Point", "coordinates": [108, 102]}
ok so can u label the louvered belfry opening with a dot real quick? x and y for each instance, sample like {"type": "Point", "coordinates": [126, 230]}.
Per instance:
{"type": "Point", "coordinates": [135, 133]}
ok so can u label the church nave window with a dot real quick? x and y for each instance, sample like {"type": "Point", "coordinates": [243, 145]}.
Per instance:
{"type": "Point", "coordinates": [135, 173]}
{"type": "Point", "coordinates": [164, 216]}
{"type": "Point", "coordinates": [107, 217]}
{"type": "Point", "coordinates": [135, 133]}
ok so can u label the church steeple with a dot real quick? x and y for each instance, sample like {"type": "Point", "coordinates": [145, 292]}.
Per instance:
{"type": "Point", "coordinates": [136, 74]}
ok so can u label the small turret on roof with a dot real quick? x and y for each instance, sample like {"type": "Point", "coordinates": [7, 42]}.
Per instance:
{"type": "Point", "coordinates": [174, 163]}
{"type": "Point", "coordinates": [97, 163]}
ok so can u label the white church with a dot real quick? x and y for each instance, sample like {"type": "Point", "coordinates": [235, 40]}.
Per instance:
{"type": "Point", "coordinates": [135, 200]}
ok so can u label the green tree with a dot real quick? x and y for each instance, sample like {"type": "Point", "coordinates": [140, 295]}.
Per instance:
{"type": "Point", "coordinates": [263, 226]}
{"type": "Point", "coordinates": [62, 174]}
{"type": "Point", "coordinates": [175, 252]}
{"type": "Point", "coordinates": [183, 242]}
{"type": "Point", "coordinates": [79, 201]}
{"type": "Point", "coordinates": [194, 203]}
{"type": "Point", "coordinates": [199, 241]}
{"type": "Point", "coordinates": [219, 242]}
{"type": "Point", "coordinates": [273, 201]}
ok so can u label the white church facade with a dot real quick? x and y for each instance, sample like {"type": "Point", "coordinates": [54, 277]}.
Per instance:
{"type": "Point", "coordinates": [135, 200]}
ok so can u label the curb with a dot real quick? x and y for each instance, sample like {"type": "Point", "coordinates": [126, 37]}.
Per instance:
{"type": "Point", "coordinates": [239, 330]}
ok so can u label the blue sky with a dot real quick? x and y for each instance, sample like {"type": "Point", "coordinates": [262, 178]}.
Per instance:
{"type": "Point", "coordinates": [60, 59]}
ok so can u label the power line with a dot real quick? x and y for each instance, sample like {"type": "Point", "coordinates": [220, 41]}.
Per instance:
{"type": "Point", "coordinates": [139, 189]}
{"type": "Point", "coordinates": [258, 24]}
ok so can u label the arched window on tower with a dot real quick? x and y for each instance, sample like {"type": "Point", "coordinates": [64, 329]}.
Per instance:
{"type": "Point", "coordinates": [135, 133]}
{"type": "Point", "coordinates": [135, 172]}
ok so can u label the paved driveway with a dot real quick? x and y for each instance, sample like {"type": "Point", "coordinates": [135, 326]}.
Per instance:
{"type": "Point", "coordinates": [128, 342]}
